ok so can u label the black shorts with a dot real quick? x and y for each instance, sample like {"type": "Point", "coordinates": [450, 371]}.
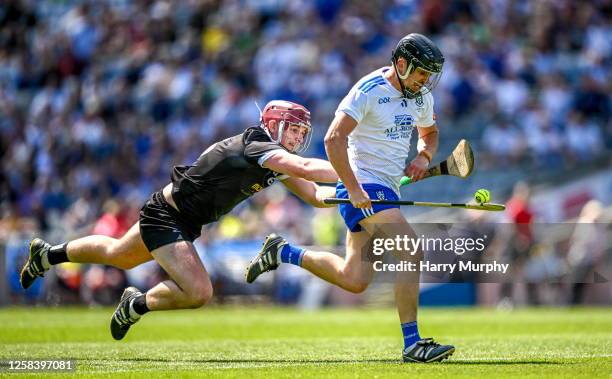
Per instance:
{"type": "Point", "coordinates": [161, 224]}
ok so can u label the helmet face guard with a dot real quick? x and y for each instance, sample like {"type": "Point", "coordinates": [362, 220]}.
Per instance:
{"type": "Point", "coordinates": [289, 121]}
{"type": "Point", "coordinates": [428, 86]}
{"type": "Point", "coordinates": [422, 54]}
{"type": "Point", "coordinates": [288, 114]}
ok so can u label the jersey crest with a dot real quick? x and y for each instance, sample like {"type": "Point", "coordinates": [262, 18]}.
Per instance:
{"type": "Point", "coordinates": [419, 101]}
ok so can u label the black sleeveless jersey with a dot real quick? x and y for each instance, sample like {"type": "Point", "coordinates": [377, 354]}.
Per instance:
{"type": "Point", "coordinates": [226, 173]}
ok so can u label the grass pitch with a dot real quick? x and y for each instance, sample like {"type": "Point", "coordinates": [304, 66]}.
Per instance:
{"type": "Point", "coordinates": [280, 342]}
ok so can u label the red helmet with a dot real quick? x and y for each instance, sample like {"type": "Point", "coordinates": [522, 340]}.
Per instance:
{"type": "Point", "coordinates": [286, 112]}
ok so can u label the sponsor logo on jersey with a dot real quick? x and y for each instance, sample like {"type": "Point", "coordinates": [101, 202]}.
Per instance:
{"type": "Point", "coordinates": [380, 195]}
{"type": "Point", "coordinates": [402, 129]}
{"type": "Point", "coordinates": [271, 178]}
{"type": "Point", "coordinates": [403, 120]}
{"type": "Point", "coordinates": [383, 100]}
{"type": "Point", "coordinates": [268, 180]}
{"type": "Point", "coordinates": [256, 188]}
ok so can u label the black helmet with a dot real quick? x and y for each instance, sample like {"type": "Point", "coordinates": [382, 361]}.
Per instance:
{"type": "Point", "coordinates": [419, 52]}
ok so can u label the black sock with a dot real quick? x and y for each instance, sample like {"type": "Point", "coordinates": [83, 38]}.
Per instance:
{"type": "Point", "coordinates": [57, 254]}
{"type": "Point", "coordinates": [140, 304]}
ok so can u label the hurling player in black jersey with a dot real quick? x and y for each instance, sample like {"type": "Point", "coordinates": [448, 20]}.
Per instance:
{"type": "Point", "coordinates": [226, 173]}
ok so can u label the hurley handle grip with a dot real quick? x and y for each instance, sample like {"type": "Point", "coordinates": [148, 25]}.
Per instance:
{"type": "Point", "coordinates": [405, 181]}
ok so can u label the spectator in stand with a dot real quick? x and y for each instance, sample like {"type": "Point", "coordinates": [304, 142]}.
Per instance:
{"type": "Point", "coordinates": [504, 142]}
{"type": "Point", "coordinates": [584, 139]}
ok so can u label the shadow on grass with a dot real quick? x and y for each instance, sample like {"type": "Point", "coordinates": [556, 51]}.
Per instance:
{"type": "Point", "coordinates": [293, 361]}
{"type": "Point", "coordinates": [502, 362]}
{"type": "Point", "coordinates": [491, 362]}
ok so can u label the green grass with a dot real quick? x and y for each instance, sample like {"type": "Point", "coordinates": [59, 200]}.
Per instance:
{"type": "Point", "coordinates": [279, 342]}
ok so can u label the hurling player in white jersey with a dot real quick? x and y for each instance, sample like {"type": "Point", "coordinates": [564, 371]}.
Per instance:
{"type": "Point", "coordinates": [368, 143]}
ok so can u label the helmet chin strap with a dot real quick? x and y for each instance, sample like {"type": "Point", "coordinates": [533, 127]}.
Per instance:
{"type": "Point", "coordinates": [265, 128]}
{"type": "Point", "coordinates": [406, 93]}
{"type": "Point", "coordinates": [281, 128]}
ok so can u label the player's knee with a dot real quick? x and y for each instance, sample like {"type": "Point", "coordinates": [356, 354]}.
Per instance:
{"type": "Point", "coordinates": [355, 286]}
{"type": "Point", "coordinates": [198, 297]}
{"type": "Point", "coordinates": [124, 264]}
{"type": "Point", "coordinates": [114, 257]}
{"type": "Point", "coordinates": [353, 282]}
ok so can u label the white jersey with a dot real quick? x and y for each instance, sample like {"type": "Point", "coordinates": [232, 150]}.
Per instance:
{"type": "Point", "coordinates": [379, 145]}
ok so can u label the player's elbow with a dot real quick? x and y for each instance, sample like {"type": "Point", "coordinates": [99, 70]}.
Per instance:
{"type": "Point", "coordinates": [328, 140]}
{"type": "Point", "coordinates": [335, 142]}
{"type": "Point", "coordinates": [333, 139]}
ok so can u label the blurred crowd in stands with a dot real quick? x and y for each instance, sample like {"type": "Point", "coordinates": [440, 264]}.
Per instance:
{"type": "Point", "coordinates": [98, 99]}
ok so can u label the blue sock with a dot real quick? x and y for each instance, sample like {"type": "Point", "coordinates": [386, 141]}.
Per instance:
{"type": "Point", "coordinates": [411, 333]}
{"type": "Point", "coordinates": [292, 254]}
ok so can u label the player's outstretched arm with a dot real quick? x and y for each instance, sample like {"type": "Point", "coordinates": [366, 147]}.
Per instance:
{"type": "Point", "coordinates": [311, 169]}
{"type": "Point", "coordinates": [310, 192]}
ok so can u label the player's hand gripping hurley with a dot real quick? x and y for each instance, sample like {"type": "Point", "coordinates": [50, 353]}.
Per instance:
{"type": "Point", "coordinates": [459, 163]}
